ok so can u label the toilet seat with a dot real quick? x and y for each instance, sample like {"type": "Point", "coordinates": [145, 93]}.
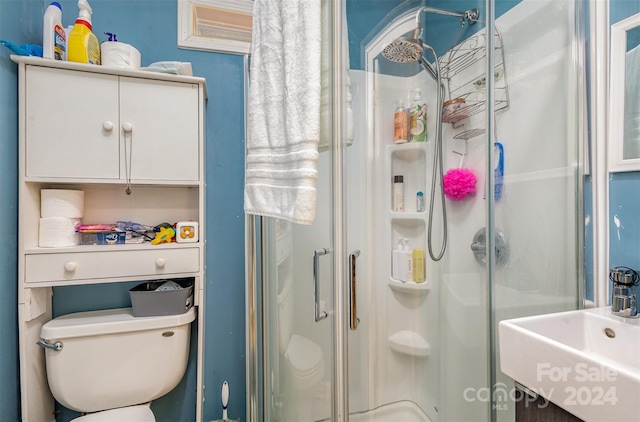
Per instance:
{"type": "Point", "coordinates": [140, 413]}
{"type": "Point", "coordinates": [305, 361]}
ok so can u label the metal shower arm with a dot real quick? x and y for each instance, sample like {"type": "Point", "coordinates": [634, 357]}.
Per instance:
{"type": "Point", "coordinates": [471, 15]}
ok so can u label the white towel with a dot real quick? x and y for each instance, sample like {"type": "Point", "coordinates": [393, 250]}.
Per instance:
{"type": "Point", "coordinates": [284, 110]}
{"type": "Point", "coordinates": [325, 105]}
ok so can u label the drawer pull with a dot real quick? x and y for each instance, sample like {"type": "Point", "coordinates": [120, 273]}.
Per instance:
{"type": "Point", "coordinates": [107, 125]}
{"type": "Point", "coordinates": [160, 262]}
{"type": "Point", "coordinates": [70, 266]}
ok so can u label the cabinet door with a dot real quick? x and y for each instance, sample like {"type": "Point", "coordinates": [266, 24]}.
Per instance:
{"type": "Point", "coordinates": [162, 140]}
{"type": "Point", "coordinates": [71, 124]}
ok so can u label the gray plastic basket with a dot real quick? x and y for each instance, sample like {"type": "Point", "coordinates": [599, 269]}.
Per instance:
{"type": "Point", "coordinates": [145, 301]}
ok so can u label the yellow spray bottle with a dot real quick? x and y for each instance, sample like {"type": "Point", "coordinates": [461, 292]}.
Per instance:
{"type": "Point", "coordinates": [83, 45]}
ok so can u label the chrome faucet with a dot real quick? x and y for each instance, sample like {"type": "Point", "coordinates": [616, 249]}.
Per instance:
{"type": "Point", "coordinates": [623, 302]}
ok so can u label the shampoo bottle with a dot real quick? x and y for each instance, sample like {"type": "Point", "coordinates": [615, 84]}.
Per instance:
{"type": "Point", "coordinates": [400, 123]}
{"type": "Point", "coordinates": [398, 193]}
{"type": "Point", "coordinates": [396, 270]}
{"type": "Point", "coordinates": [83, 45]}
{"type": "Point", "coordinates": [54, 40]}
{"type": "Point", "coordinates": [418, 119]}
{"type": "Point", "coordinates": [407, 258]}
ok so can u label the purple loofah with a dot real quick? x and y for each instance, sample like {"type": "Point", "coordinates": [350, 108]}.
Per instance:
{"type": "Point", "coordinates": [458, 183]}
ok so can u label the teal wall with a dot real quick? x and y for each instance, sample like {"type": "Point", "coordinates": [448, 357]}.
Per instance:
{"type": "Point", "coordinates": [150, 25]}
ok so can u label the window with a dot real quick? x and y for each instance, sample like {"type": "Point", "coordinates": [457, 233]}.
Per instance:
{"type": "Point", "coordinates": [215, 25]}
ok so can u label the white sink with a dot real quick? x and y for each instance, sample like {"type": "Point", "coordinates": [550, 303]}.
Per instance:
{"type": "Point", "coordinates": [586, 361]}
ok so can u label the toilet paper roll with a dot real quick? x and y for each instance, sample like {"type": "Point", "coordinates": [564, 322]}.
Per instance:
{"type": "Point", "coordinates": [58, 232]}
{"type": "Point", "coordinates": [119, 54]}
{"type": "Point", "coordinates": [61, 203]}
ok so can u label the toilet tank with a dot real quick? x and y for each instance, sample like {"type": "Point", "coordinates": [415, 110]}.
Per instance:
{"type": "Point", "coordinates": [112, 359]}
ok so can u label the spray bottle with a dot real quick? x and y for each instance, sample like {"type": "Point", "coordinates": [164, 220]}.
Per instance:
{"type": "Point", "coordinates": [83, 45]}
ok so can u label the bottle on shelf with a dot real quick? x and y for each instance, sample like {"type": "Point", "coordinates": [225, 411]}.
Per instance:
{"type": "Point", "coordinates": [419, 201]}
{"type": "Point", "coordinates": [54, 42]}
{"type": "Point", "coordinates": [407, 260]}
{"type": "Point", "coordinates": [400, 123]}
{"type": "Point", "coordinates": [396, 271]}
{"type": "Point", "coordinates": [418, 118]}
{"type": "Point", "coordinates": [398, 193]}
{"type": "Point", "coordinates": [418, 265]}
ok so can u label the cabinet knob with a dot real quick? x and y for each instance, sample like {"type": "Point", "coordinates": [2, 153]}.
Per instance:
{"type": "Point", "coordinates": [127, 127]}
{"type": "Point", "coordinates": [107, 125]}
{"type": "Point", "coordinates": [70, 266]}
{"type": "Point", "coordinates": [160, 262]}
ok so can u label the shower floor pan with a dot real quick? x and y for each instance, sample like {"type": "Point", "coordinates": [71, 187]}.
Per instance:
{"type": "Point", "coordinates": [405, 411]}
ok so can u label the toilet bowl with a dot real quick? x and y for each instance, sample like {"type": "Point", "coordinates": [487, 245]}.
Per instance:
{"type": "Point", "coordinates": [305, 362]}
{"type": "Point", "coordinates": [302, 360]}
{"type": "Point", "coordinates": [111, 364]}
{"type": "Point", "coordinates": [140, 413]}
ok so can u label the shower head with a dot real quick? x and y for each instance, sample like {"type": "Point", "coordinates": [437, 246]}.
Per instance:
{"type": "Point", "coordinates": [409, 50]}
{"type": "Point", "coordinates": [403, 50]}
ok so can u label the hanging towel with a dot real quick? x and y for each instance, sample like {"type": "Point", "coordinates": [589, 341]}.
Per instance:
{"type": "Point", "coordinates": [325, 98]}
{"type": "Point", "coordinates": [284, 110]}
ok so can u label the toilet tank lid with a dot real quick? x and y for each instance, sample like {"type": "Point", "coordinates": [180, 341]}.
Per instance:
{"type": "Point", "coordinates": [110, 321]}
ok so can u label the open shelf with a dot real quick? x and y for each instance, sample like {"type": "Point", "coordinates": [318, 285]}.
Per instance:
{"type": "Point", "coordinates": [409, 286]}
{"type": "Point", "coordinates": [409, 343]}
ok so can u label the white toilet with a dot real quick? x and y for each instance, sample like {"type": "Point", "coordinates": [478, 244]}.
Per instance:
{"type": "Point", "coordinates": [303, 359]}
{"type": "Point", "coordinates": [111, 364]}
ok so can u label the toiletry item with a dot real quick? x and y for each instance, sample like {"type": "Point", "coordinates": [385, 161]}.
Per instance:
{"type": "Point", "coordinates": [418, 119]}
{"type": "Point", "coordinates": [53, 36]}
{"type": "Point", "coordinates": [400, 123]}
{"type": "Point", "coordinates": [419, 202]}
{"type": "Point", "coordinates": [396, 271]}
{"type": "Point", "coordinates": [454, 110]}
{"type": "Point", "coordinates": [398, 193]}
{"type": "Point", "coordinates": [418, 265]}
{"type": "Point", "coordinates": [83, 46]}
{"type": "Point", "coordinates": [119, 54]}
{"type": "Point", "coordinates": [407, 262]}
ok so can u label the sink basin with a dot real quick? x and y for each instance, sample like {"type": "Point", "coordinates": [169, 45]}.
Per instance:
{"type": "Point", "coordinates": [585, 361]}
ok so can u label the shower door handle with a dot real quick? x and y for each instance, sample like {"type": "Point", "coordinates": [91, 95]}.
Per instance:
{"type": "Point", "coordinates": [319, 315]}
{"type": "Point", "coordinates": [353, 311]}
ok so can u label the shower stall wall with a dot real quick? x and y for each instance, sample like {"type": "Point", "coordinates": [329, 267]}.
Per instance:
{"type": "Point", "coordinates": [426, 351]}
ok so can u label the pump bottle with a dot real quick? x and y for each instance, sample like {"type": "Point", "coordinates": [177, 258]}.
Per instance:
{"type": "Point", "coordinates": [418, 118]}
{"type": "Point", "coordinates": [83, 46]}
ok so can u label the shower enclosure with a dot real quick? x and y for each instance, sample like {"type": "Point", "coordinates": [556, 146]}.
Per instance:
{"type": "Point", "coordinates": [332, 334]}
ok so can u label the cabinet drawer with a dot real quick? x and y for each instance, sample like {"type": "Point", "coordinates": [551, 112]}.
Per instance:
{"type": "Point", "coordinates": [110, 264]}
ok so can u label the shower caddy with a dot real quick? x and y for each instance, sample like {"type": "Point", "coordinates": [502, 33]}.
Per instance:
{"type": "Point", "coordinates": [134, 146]}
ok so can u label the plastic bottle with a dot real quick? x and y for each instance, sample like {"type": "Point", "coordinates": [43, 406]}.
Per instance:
{"type": "Point", "coordinates": [83, 46]}
{"type": "Point", "coordinates": [419, 202]}
{"type": "Point", "coordinates": [418, 265]}
{"type": "Point", "coordinates": [54, 40]}
{"type": "Point", "coordinates": [396, 271]}
{"type": "Point", "coordinates": [398, 193]}
{"type": "Point", "coordinates": [407, 258]}
{"type": "Point", "coordinates": [418, 120]}
{"type": "Point", "coordinates": [400, 123]}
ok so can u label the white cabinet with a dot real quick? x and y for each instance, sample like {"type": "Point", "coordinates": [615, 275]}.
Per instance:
{"type": "Point", "coordinates": [99, 126]}
{"type": "Point", "coordinates": [100, 130]}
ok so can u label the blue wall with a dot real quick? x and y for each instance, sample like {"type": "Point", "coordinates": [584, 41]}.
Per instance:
{"type": "Point", "coordinates": [150, 25]}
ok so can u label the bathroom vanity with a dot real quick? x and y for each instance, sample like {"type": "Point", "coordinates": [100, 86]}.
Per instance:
{"type": "Point", "coordinates": [132, 141]}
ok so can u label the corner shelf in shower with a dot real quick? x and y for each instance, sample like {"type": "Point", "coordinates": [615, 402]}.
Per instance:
{"type": "Point", "coordinates": [409, 286]}
{"type": "Point", "coordinates": [409, 343]}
